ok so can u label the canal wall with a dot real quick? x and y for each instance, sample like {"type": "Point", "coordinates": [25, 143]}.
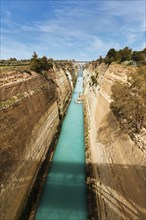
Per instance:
{"type": "Point", "coordinates": [31, 110]}
{"type": "Point", "coordinates": [117, 165]}
{"type": "Point", "coordinates": [92, 198]}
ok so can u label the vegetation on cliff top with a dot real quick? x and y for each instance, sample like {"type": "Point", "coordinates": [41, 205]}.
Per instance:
{"type": "Point", "coordinates": [13, 62]}
{"type": "Point", "coordinates": [123, 55]}
{"type": "Point", "coordinates": [40, 64]}
{"type": "Point", "coordinates": [129, 101]}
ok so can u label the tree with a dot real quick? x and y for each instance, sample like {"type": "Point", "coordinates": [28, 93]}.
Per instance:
{"type": "Point", "coordinates": [44, 65]}
{"type": "Point", "coordinates": [40, 64]}
{"type": "Point", "coordinates": [111, 56]}
{"type": "Point", "coordinates": [144, 51]}
{"type": "Point", "coordinates": [125, 54]}
{"type": "Point", "coordinates": [34, 63]}
{"type": "Point", "coordinates": [100, 60]}
{"type": "Point", "coordinates": [13, 59]}
{"type": "Point", "coordinates": [137, 56]}
{"type": "Point", "coordinates": [111, 53]}
{"type": "Point", "coordinates": [34, 56]}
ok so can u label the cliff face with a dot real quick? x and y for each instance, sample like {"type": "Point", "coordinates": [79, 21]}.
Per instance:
{"type": "Point", "coordinates": [119, 164]}
{"type": "Point", "coordinates": [64, 82]}
{"type": "Point", "coordinates": [31, 108]}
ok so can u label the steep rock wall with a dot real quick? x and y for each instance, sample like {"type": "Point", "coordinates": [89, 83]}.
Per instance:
{"type": "Point", "coordinates": [63, 81]}
{"type": "Point", "coordinates": [119, 166]}
{"type": "Point", "coordinates": [31, 106]}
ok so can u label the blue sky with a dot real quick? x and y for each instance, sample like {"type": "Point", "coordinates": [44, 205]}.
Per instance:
{"type": "Point", "coordinates": [71, 29]}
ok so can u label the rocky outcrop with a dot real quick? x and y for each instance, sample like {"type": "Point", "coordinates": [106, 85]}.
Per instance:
{"type": "Point", "coordinates": [31, 107]}
{"type": "Point", "coordinates": [119, 165]}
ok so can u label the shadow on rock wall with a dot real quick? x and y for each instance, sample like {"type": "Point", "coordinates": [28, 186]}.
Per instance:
{"type": "Point", "coordinates": [121, 187]}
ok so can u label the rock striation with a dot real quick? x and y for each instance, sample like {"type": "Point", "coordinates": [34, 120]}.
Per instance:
{"type": "Point", "coordinates": [31, 110]}
{"type": "Point", "coordinates": [118, 163]}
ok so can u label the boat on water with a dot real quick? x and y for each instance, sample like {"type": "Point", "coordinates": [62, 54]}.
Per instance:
{"type": "Point", "coordinates": [79, 99]}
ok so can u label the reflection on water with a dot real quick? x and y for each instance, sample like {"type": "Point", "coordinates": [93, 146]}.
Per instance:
{"type": "Point", "coordinates": [64, 194]}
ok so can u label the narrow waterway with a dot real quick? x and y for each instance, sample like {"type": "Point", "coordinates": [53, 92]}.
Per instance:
{"type": "Point", "coordinates": [64, 194]}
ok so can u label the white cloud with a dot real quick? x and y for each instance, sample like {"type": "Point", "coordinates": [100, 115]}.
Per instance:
{"type": "Point", "coordinates": [129, 10]}
{"type": "Point", "coordinates": [13, 48]}
{"type": "Point", "coordinates": [101, 47]}
{"type": "Point", "coordinates": [89, 27]}
{"type": "Point", "coordinates": [84, 55]}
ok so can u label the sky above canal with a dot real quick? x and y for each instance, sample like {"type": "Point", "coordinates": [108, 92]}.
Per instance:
{"type": "Point", "coordinates": [67, 29]}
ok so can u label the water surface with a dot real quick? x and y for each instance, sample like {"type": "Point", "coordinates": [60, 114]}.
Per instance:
{"type": "Point", "coordinates": [64, 194]}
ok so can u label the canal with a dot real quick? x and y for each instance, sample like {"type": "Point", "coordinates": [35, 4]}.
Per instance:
{"type": "Point", "coordinates": [64, 193]}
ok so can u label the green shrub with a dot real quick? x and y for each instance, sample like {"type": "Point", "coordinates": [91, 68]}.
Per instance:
{"type": "Point", "coordinates": [40, 64]}
{"type": "Point", "coordinates": [93, 81]}
{"type": "Point", "coordinates": [129, 102]}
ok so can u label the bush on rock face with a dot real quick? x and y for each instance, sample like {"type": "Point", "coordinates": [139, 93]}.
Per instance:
{"type": "Point", "coordinates": [129, 102]}
{"type": "Point", "coordinates": [94, 81]}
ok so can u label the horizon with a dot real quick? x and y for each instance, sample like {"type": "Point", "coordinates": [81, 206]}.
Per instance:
{"type": "Point", "coordinates": [79, 30]}
{"type": "Point", "coordinates": [78, 61]}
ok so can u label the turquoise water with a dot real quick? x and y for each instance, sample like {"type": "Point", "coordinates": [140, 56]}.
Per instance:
{"type": "Point", "coordinates": [64, 194]}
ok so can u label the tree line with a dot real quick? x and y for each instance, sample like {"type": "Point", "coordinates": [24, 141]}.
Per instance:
{"type": "Point", "coordinates": [38, 64]}
{"type": "Point", "coordinates": [122, 55]}
{"type": "Point", "coordinates": [14, 62]}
